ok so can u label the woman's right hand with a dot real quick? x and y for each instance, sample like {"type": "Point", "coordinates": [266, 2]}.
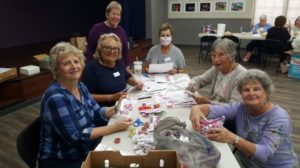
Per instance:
{"type": "Point", "coordinates": [191, 86]}
{"type": "Point", "coordinates": [195, 116]}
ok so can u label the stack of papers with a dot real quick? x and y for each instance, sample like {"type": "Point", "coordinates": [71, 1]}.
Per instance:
{"type": "Point", "coordinates": [175, 98]}
{"type": "Point", "coordinates": [160, 68]}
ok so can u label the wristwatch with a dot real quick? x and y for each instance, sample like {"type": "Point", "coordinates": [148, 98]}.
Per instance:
{"type": "Point", "coordinates": [236, 140]}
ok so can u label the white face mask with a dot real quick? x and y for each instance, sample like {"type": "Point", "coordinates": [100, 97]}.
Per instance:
{"type": "Point", "coordinates": [165, 41]}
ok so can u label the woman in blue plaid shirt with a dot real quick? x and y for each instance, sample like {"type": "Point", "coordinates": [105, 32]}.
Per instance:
{"type": "Point", "coordinates": [68, 112]}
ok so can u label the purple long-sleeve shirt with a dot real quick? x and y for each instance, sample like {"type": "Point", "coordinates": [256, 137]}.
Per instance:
{"type": "Point", "coordinates": [270, 131]}
{"type": "Point", "coordinates": [99, 29]}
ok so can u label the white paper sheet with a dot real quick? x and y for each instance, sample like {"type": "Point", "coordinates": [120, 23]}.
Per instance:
{"type": "Point", "coordinates": [2, 70]}
{"type": "Point", "coordinates": [163, 78]}
{"type": "Point", "coordinates": [160, 68]}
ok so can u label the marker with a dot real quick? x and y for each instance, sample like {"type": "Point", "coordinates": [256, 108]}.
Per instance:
{"type": "Point", "coordinates": [147, 97]}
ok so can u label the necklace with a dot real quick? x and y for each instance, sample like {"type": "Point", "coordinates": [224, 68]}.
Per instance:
{"type": "Point", "coordinates": [222, 85]}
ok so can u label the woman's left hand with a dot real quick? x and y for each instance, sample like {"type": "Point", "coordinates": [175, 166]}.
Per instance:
{"type": "Point", "coordinates": [221, 135]}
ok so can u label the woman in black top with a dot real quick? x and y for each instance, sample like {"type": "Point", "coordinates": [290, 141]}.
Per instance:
{"type": "Point", "coordinates": [279, 32]}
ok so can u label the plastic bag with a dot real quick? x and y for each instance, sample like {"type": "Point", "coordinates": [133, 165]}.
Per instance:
{"type": "Point", "coordinates": [193, 149]}
{"type": "Point", "coordinates": [207, 125]}
{"type": "Point", "coordinates": [125, 107]}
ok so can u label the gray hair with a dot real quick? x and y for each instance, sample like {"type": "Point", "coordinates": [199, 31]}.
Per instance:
{"type": "Point", "coordinates": [226, 45]}
{"type": "Point", "coordinates": [60, 49]}
{"type": "Point", "coordinates": [97, 55]}
{"type": "Point", "coordinates": [253, 75]}
{"type": "Point", "coordinates": [263, 17]}
{"type": "Point", "coordinates": [112, 5]}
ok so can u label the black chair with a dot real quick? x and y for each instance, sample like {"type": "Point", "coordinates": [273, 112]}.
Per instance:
{"type": "Point", "coordinates": [271, 48]}
{"type": "Point", "coordinates": [28, 142]}
{"type": "Point", "coordinates": [205, 45]}
{"type": "Point", "coordinates": [237, 42]}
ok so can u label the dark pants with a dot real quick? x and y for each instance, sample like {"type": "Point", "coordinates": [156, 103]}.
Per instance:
{"type": "Point", "coordinates": [252, 45]}
{"type": "Point", "coordinates": [66, 163]}
{"type": "Point", "coordinates": [60, 163]}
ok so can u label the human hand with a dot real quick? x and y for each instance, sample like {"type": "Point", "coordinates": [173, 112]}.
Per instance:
{"type": "Point", "coordinates": [173, 71]}
{"type": "Point", "coordinates": [200, 99]}
{"type": "Point", "coordinates": [195, 116]}
{"type": "Point", "coordinates": [122, 124]}
{"type": "Point", "coordinates": [139, 85]}
{"type": "Point", "coordinates": [117, 96]}
{"type": "Point", "coordinates": [191, 86]}
{"type": "Point", "coordinates": [221, 135]}
{"type": "Point", "coordinates": [118, 104]}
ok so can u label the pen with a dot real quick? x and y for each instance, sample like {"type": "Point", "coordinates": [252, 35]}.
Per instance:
{"type": "Point", "coordinates": [140, 98]}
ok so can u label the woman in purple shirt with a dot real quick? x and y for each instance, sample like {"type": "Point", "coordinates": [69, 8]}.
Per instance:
{"type": "Point", "coordinates": [110, 25]}
{"type": "Point", "coordinates": [263, 137]}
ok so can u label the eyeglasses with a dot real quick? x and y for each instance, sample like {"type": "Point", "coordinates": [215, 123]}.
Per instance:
{"type": "Point", "coordinates": [110, 49]}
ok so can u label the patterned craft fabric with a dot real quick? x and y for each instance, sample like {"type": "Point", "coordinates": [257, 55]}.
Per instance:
{"type": "Point", "coordinates": [193, 149]}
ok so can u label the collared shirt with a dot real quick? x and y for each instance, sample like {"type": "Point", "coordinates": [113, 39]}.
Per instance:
{"type": "Point", "coordinates": [67, 123]}
{"type": "Point", "coordinates": [266, 27]}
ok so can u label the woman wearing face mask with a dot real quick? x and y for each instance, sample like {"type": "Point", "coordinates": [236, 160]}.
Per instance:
{"type": "Point", "coordinates": [166, 52]}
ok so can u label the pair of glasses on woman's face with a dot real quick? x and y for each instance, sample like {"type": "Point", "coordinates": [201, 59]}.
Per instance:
{"type": "Point", "coordinates": [110, 49]}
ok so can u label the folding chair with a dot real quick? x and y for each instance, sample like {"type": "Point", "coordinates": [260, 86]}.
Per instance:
{"type": "Point", "coordinates": [205, 45]}
{"type": "Point", "coordinates": [271, 48]}
{"type": "Point", "coordinates": [28, 142]}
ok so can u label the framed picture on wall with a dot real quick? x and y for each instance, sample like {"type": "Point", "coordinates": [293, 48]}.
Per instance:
{"type": "Point", "coordinates": [237, 6]}
{"type": "Point", "coordinates": [175, 7]}
{"type": "Point", "coordinates": [205, 7]}
{"type": "Point", "coordinates": [221, 6]}
{"type": "Point", "coordinates": [190, 7]}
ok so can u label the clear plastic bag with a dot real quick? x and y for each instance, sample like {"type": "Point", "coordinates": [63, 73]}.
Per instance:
{"type": "Point", "coordinates": [193, 149]}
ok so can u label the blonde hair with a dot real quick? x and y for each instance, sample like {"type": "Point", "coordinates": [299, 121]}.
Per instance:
{"type": "Point", "coordinates": [97, 55]}
{"type": "Point", "coordinates": [112, 5]}
{"type": "Point", "coordinates": [60, 49]}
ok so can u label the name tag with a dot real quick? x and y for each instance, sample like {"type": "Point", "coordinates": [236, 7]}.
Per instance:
{"type": "Point", "coordinates": [167, 59]}
{"type": "Point", "coordinates": [116, 74]}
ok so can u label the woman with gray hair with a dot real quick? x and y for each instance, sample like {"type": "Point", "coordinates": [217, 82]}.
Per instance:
{"type": "Point", "coordinates": [68, 113]}
{"type": "Point", "coordinates": [263, 137]}
{"type": "Point", "coordinates": [222, 75]}
{"type": "Point", "coordinates": [106, 76]}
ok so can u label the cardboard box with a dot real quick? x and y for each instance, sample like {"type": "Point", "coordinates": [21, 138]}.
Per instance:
{"type": "Point", "coordinates": [294, 67]}
{"type": "Point", "coordinates": [43, 60]}
{"type": "Point", "coordinates": [29, 70]}
{"type": "Point", "coordinates": [79, 42]}
{"type": "Point", "coordinates": [7, 73]}
{"type": "Point", "coordinates": [96, 159]}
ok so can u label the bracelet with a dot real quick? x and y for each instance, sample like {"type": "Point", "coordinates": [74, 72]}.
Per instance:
{"type": "Point", "coordinates": [236, 140]}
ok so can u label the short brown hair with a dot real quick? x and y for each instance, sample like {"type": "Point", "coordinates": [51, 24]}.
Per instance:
{"type": "Point", "coordinates": [280, 21]}
{"type": "Point", "coordinates": [112, 5]}
{"type": "Point", "coordinates": [164, 27]}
